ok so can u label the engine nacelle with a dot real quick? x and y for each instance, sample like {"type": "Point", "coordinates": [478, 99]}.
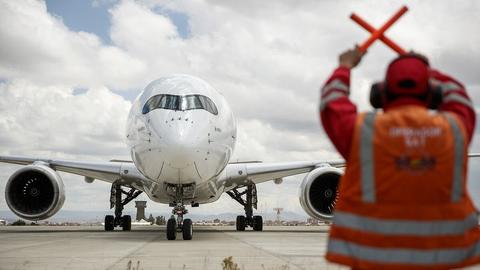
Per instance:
{"type": "Point", "coordinates": [319, 191]}
{"type": "Point", "coordinates": [35, 192]}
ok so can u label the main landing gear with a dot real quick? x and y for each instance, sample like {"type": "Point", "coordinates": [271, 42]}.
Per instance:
{"type": "Point", "coordinates": [116, 201]}
{"type": "Point", "coordinates": [179, 224]}
{"type": "Point", "coordinates": [250, 202]}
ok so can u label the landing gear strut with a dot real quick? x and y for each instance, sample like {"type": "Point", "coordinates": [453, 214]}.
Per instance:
{"type": "Point", "coordinates": [180, 194]}
{"type": "Point", "coordinates": [179, 224]}
{"type": "Point", "coordinates": [116, 201]}
{"type": "Point", "coordinates": [250, 202]}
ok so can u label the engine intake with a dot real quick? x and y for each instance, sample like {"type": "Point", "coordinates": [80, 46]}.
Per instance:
{"type": "Point", "coordinates": [35, 192]}
{"type": "Point", "coordinates": [319, 192]}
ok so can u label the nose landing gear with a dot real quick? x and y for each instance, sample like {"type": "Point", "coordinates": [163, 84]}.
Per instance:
{"type": "Point", "coordinates": [116, 201]}
{"type": "Point", "coordinates": [179, 224]}
{"type": "Point", "coordinates": [250, 202]}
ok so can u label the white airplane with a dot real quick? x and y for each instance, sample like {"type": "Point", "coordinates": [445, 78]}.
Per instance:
{"type": "Point", "coordinates": [181, 133]}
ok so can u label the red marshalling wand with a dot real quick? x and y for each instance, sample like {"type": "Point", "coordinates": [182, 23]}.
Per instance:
{"type": "Point", "coordinates": [378, 33]}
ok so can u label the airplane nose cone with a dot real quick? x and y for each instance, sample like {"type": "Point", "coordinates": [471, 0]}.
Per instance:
{"type": "Point", "coordinates": [181, 139]}
{"type": "Point", "coordinates": [179, 158]}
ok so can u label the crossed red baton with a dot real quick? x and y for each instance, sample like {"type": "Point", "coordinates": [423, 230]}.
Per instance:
{"type": "Point", "coordinates": [378, 33]}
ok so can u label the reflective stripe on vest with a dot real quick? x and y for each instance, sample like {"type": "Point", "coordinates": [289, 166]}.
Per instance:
{"type": "Point", "coordinates": [367, 165]}
{"type": "Point", "coordinates": [394, 227]}
{"type": "Point", "coordinates": [403, 255]}
{"type": "Point", "coordinates": [457, 183]}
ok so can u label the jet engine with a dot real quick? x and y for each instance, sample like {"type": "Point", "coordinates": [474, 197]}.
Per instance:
{"type": "Point", "coordinates": [35, 192]}
{"type": "Point", "coordinates": [319, 191]}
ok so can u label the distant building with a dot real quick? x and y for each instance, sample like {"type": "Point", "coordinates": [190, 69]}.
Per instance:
{"type": "Point", "coordinates": [3, 222]}
{"type": "Point", "coordinates": [140, 205]}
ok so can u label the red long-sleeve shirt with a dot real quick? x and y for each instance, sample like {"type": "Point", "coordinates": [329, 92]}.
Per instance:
{"type": "Point", "coordinates": [338, 113]}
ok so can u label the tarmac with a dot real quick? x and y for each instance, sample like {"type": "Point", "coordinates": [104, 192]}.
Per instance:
{"type": "Point", "coordinates": [146, 247]}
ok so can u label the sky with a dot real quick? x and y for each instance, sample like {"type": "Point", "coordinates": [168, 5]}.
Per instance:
{"type": "Point", "coordinates": [69, 71]}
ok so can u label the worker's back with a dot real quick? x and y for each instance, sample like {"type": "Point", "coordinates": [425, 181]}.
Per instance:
{"type": "Point", "coordinates": [412, 156]}
{"type": "Point", "coordinates": [403, 196]}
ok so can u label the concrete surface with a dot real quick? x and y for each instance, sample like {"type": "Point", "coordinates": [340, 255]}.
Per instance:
{"type": "Point", "coordinates": [85, 247]}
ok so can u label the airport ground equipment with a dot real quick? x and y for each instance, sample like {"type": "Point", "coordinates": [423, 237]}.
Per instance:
{"type": "Point", "coordinates": [379, 33]}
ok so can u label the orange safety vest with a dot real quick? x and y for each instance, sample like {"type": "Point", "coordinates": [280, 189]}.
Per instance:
{"type": "Point", "coordinates": [403, 202]}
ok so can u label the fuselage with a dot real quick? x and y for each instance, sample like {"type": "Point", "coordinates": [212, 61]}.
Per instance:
{"type": "Point", "coordinates": [181, 133]}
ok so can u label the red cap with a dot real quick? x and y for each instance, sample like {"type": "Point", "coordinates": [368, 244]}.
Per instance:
{"type": "Point", "coordinates": [408, 74]}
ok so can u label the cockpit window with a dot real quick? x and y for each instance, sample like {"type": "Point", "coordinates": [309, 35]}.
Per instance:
{"type": "Point", "coordinates": [180, 103]}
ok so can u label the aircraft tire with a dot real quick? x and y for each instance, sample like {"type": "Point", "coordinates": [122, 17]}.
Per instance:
{"type": "Point", "coordinates": [109, 223]}
{"type": "Point", "coordinates": [187, 229]}
{"type": "Point", "coordinates": [257, 223]}
{"type": "Point", "coordinates": [241, 223]}
{"type": "Point", "coordinates": [127, 223]}
{"type": "Point", "coordinates": [171, 229]}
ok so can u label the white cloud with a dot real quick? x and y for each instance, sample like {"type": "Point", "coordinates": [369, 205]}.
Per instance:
{"type": "Point", "coordinates": [268, 58]}
{"type": "Point", "coordinates": [49, 120]}
{"type": "Point", "coordinates": [39, 47]}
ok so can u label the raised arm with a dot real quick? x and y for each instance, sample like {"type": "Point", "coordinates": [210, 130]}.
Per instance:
{"type": "Point", "coordinates": [455, 99]}
{"type": "Point", "coordinates": [337, 112]}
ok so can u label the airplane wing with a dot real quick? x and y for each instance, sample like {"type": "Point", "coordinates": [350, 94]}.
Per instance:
{"type": "Point", "coordinates": [238, 173]}
{"type": "Point", "coordinates": [235, 174]}
{"type": "Point", "coordinates": [241, 173]}
{"type": "Point", "coordinates": [105, 171]}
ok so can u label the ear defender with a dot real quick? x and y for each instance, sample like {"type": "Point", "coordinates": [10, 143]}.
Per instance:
{"type": "Point", "coordinates": [377, 95]}
{"type": "Point", "coordinates": [435, 97]}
